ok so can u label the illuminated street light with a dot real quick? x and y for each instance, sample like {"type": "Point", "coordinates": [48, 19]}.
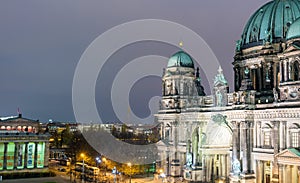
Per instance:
{"type": "Point", "coordinates": [129, 164]}
{"type": "Point", "coordinates": [162, 175]}
{"type": "Point", "coordinates": [82, 156]}
{"type": "Point", "coordinates": [98, 161]}
{"type": "Point", "coordinates": [104, 161]}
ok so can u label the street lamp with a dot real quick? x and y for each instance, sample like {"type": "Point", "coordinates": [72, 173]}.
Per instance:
{"type": "Point", "coordinates": [129, 164]}
{"type": "Point", "coordinates": [70, 164]}
{"type": "Point", "coordinates": [104, 161]}
{"type": "Point", "coordinates": [82, 177]}
{"type": "Point", "coordinates": [98, 161]}
{"type": "Point", "coordinates": [162, 175]}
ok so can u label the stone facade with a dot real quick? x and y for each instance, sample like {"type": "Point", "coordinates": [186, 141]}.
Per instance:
{"type": "Point", "coordinates": [252, 134]}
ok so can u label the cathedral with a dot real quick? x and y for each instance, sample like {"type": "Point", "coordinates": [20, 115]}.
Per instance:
{"type": "Point", "coordinates": [250, 135]}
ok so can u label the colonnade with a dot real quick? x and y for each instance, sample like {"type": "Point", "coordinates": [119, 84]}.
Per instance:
{"type": "Point", "coordinates": [20, 155]}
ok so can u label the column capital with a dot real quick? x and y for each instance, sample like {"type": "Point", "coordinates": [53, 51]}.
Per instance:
{"type": "Point", "coordinates": [275, 124]}
{"type": "Point", "coordinates": [235, 124]}
{"type": "Point", "coordinates": [247, 124]}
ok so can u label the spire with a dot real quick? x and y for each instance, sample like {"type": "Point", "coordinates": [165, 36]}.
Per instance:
{"type": "Point", "coordinates": [220, 70]}
{"type": "Point", "coordinates": [197, 73]}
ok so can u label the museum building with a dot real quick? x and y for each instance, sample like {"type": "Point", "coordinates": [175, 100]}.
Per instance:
{"type": "Point", "coordinates": [22, 147]}
{"type": "Point", "coordinates": [252, 134]}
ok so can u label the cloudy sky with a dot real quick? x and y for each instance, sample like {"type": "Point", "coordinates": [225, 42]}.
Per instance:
{"type": "Point", "coordinates": [41, 43]}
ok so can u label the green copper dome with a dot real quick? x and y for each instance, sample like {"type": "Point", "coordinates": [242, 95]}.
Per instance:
{"type": "Point", "coordinates": [294, 30]}
{"type": "Point", "coordinates": [181, 59]}
{"type": "Point", "coordinates": [270, 23]}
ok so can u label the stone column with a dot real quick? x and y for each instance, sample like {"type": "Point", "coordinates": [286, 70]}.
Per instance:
{"type": "Point", "coordinates": [167, 165]}
{"type": "Point", "coordinates": [288, 173]}
{"type": "Point", "coordinates": [286, 137]}
{"type": "Point", "coordinates": [35, 155]}
{"type": "Point", "coordinates": [263, 76]}
{"type": "Point", "coordinates": [224, 165]}
{"type": "Point", "coordinates": [275, 79]}
{"type": "Point", "coordinates": [259, 170]}
{"type": "Point", "coordinates": [235, 141]}
{"type": "Point", "coordinates": [280, 71]}
{"type": "Point", "coordinates": [298, 174]}
{"type": "Point", "coordinates": [204, 167]}
{"type": "Point", "coordinates": [5, 156]}
{"type": "Point", "coordinates": [275, 137]}
{"type": "Point", "coordinates": [290, 71]}
{"type": "Point", "coordinates": [259, 77]}
{"type": "Point", "coordinates": [247, 146]}
{"type": "Point", "coordinates": [255, 135]}
{"type": "Point", "coordinates": [259, 135]}
{"type": "Point", "coordinates": [281, 136]}
{"type": "Point", "coordinates": [195, 147]}
{"type": "Point", "coordinates": [285, 66]}
{"type": "Point", "coordinates": [47, 152]}
{"type": "Point", "coordinates": [16, 155]}
{"type": "Point", "coordinates": [200, 144]}
{"type": "Point", "coordinates": [253, 78]}
{"type": "Point", "coordinates": [26, 155]}
{"type": "Point", "coordinates": [244, 146]}
{"type": "Point", "coordinates": [285, 176]}
{"type": "Point", "coordinates": [221, 165]}
{"type": "Point", "coordinates": [281, 174]}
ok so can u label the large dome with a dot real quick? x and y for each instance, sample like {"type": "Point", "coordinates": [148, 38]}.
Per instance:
{"type": "Point", "coordinates": [181, 59]}
{"type": "Point", "coordinates": [294, 30]}
{"type": "Point", "coordinates": [270, 22]}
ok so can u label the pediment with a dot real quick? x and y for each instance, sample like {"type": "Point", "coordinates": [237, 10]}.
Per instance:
{"type": "Point", "coordinates": [289, 157]}
{"type": "Point", "coordinates": [291, 48]}
{"type": "Point", "coordinates": [19, 121]}
{"type": "Point", "coordinates": [289, 153]}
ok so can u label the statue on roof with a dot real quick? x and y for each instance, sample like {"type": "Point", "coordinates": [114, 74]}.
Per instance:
{"type": "Point", "coordinates": [219, 78]}
{"type": "Point", "coordinates": [268, 38]}
{"type": "Point", "coordinates": [238, 45]}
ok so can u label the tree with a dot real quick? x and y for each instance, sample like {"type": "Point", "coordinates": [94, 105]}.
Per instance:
{"type": "Point", "coordinates": [56, 138]}
{"type": "Point", "coordinates": [66, 136]}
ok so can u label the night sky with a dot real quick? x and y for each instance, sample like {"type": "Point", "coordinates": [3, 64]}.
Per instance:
{"type": "Point", "coordinates": [41, 43]}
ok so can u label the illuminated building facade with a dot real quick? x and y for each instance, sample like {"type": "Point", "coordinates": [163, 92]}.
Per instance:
{"type": "Point", "coordinates": [252, 134]}
{"type": "Point", "coordinates": [22, 148]}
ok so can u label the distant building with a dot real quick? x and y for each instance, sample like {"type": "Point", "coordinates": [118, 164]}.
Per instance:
{"type": "Point", "coordinates": [138, 129]}
{"type": "Point", "coordinates": [60, 126]}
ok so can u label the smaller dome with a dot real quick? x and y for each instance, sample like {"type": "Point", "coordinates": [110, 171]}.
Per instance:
{"type": "Point", "coordinates": [294, 30]}
{"type": "Point", "coordinates": [181, 59]}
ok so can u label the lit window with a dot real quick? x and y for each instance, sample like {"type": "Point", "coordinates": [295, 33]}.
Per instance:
{"type": "Point", "coordinates": [267, 140]}
{"type": "Point", "coordinates": [295, 139]}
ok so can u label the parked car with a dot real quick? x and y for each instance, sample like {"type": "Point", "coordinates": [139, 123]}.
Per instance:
{"type": "Point", "coordinates": [62, 169]}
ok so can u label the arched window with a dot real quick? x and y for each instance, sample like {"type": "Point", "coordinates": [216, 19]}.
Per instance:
{"type": "Point", "coordinates": [294, 136]}
{"type": "Point", "coordinates": [267, 136]}
{"type": "Point", "coordinates": [296, 71]}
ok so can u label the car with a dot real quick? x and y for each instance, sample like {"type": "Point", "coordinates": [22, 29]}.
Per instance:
{"type": "Point", "coordinates": [62, 169]}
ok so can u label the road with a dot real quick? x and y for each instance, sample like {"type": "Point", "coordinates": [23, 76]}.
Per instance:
{"type": "Point", "coordinates": [64, 177]}
{"type": "Point", "coordinates": [57, 179]}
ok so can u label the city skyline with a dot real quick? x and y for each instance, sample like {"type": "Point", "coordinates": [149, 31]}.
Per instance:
{"type": "Point", "coordinates": [42, 42]}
